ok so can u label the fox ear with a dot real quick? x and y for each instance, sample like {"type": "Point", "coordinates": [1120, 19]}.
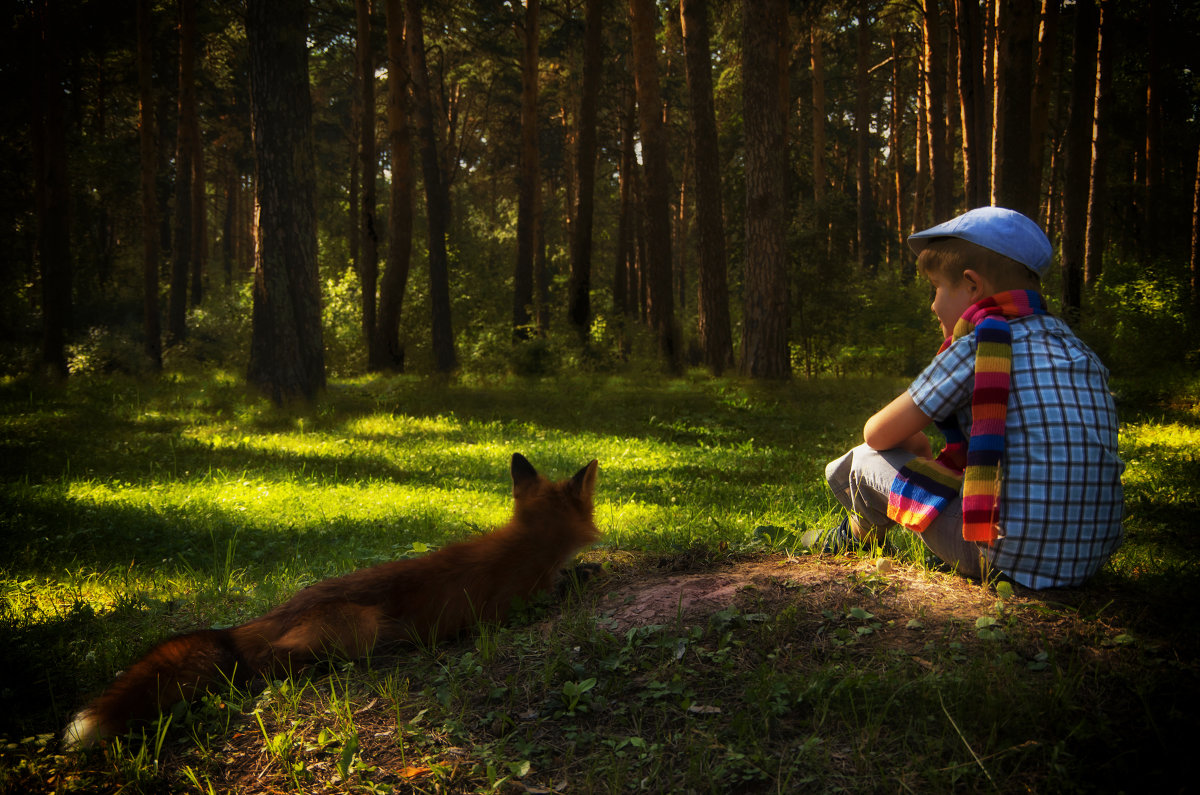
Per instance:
{"type": "Point", "coordinates": [584, 481]}
{"type": "Point", "coordinates": [522, 472]}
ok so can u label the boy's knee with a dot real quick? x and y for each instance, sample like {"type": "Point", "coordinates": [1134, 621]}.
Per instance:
{"type": "Point", "coordinates": [837, 471]}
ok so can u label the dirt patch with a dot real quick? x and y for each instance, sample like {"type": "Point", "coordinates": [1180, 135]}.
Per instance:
{"type": "Point", "coordinates": [694, 597]}
{"type": "Point", "coordinates": [910, 607]}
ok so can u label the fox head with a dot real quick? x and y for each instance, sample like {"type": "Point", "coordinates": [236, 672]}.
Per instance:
{"type": "Point", "coordinates": [567, 502]}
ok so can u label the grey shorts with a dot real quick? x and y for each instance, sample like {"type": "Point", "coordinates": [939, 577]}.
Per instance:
{"type": "Point", "coordinates": [861, 481]}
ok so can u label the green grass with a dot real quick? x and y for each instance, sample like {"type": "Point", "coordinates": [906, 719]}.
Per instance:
{"type": "Point", "coordinates": [135, 510]}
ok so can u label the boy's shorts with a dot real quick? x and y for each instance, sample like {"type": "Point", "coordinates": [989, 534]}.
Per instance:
{"type": "Point", "coordinates": [862, 480]}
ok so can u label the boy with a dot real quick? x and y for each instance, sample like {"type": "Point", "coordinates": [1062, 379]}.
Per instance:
{"type": "Point", "coordinates": [1029, 484]}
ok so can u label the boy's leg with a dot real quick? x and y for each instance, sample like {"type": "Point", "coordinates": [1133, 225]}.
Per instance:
{"type": "Point", "coordinates": [862, 480]}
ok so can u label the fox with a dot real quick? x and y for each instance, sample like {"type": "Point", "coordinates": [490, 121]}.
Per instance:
{"type": "Point", "coordinates": [421, 600]}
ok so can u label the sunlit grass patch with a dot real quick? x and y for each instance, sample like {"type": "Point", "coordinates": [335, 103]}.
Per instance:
{"type": "Point", "coordinates": [1162, 456]}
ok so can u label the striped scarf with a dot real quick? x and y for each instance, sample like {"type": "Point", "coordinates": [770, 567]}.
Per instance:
{"type": "Point", "coordinates": [924, 487]}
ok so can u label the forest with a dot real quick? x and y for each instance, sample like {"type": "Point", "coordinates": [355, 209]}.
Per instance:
{"type": "Point", "coordinates": [286, 284]}
{"type": "Point", "coordinates": [574, 185]}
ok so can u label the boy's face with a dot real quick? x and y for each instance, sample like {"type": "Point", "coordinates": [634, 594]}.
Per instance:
{"type": "Point", "coordinates": [951, 300]}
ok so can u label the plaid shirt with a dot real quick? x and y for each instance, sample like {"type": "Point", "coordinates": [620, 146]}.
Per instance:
{"type": "Point", "coordinates": [1061, 501]}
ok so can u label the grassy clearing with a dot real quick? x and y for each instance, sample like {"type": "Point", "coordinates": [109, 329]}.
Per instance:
{"type": "Point", "coordinates": [134, 511]}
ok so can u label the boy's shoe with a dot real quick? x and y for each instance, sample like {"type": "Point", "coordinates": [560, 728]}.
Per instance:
{"type": "Point", "coordinates": [832, 541]}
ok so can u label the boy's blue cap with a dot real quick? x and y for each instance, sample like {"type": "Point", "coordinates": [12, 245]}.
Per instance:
{"type": "Point", "coordinates": [1004, 231]}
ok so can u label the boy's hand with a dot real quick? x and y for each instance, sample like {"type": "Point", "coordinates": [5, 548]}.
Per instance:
{"type": "Point", "coordinates": [918, 444]}
{"type": "Point", "coordinates": [897, 425]}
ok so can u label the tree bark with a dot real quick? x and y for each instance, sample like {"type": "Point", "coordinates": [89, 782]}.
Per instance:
{"type": "Point", "coordinates": [1093, 261]}
{"type": "Point", "coordinates": [229, 222]}
{"type": "Point", "coordinates": [51, 188]}
{"type": "Point", "coordinates": [976, 126]}
{"type": "Point", "coordinates": [185, 150]}
{"type": "Point", "coordinates": [1013, 184]}
{"type": "Point", "coordinates": [147, 140]}
{"type": "Point", "coordinates": [1152, 173]}
{"type": "Point", "coordinates": [437, 193]}
{"type": "Point", "coordinates": [716, 339]}
{"type": "Point", "coordinates": [367, 263]}
{"type": "Point", "coordinates": [528, 174]}
{"type": "Point", "coordinates": [868, 226]}
{"type": "Point", "coordinates": [1043, 82]}
{"type": "Point", "coordinates": [579, 301]}
{"type": "Point", "coordinates": [941, 172]}
{"type": "Point", "coordinates": [1078, 157]}
{"type": "Point", "coordinates": [896, 161]}
{"type": "Point", "coordinates": [199, 208]}
{"type": "Point", "coordinates": [657, 187]}
{"type": "Point", "coordinates": [818, 103]}
{"type": "Point", "coordinates": [286, 352]}
{"type": "Point", "coordinates": [1195, 252]}
{"type": "Point", "coordinates": [623, 300]}
{"type": "Point", "coordinates": [920, 214]}
{"type": "Point", "coordinates": [765, 315]}
{"type": "Point", "coordinates": [400, 222]}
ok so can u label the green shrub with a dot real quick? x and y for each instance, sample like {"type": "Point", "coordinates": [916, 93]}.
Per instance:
{"type": "Point", "coordinates": [1136, 320]}
{"type": "Point", "coordinates": [218, 332]}
{"type": "Point", "coordinates": [341, 309]}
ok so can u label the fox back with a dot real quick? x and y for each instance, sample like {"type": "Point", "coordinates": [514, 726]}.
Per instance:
{"type": "Point", "coordinates": [421, 600]}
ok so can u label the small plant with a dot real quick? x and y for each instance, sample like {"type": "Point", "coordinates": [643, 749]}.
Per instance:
{"type": "Point", "coordinates": [987, 628]}
{"type": "Point", "coordinates": [575, 695]}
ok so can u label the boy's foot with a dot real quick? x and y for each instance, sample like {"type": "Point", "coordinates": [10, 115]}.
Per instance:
{"type": "Point", "coordinates": [832, 541]}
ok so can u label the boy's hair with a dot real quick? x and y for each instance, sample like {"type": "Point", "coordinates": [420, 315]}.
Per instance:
{"type": "Point", "coordinates": [948, 257]}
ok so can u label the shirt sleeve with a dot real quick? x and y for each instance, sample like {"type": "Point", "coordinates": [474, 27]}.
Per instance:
{"type": "Point", "coordinates": [945, 384]}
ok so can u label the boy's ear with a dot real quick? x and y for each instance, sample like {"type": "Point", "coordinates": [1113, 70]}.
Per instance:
{"type": "Point", "coordinates": [523, 473]}
{"type": "Point", "coordinates": [584, 482]}
{"type": "Point", "coordinates": [978, 284]}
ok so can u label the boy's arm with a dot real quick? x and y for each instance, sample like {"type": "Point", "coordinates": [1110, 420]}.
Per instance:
{"type": "Point", "coordinates": [899, 424]}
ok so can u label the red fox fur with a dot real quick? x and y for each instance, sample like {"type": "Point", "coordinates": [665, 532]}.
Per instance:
{"type": "Point", "coordinates": [424, 599]}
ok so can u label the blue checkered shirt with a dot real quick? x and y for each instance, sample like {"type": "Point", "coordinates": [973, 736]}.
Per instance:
{"type": "Point", "coordinates": [1061, 501]}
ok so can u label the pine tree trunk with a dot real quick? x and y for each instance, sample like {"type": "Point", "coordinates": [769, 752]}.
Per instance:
{"type": "Point", "coordinates": [765, 315]}
{"type": "Point", "coordinates": [1093, 261]}
{"type": "Point", "coordinates": [657, 187]}
{"type": "Point", "coordinates": [437, 194]}
{"type": "Point", "coordinates": [147, 140]}
{"type": "Point", "coordinates": [528, 173]}
{"type": "Point", "coordinates": [818, 104]}
{"type": "Point", "coordinates": [199, 207]}
{"type": "Point", "coordinates": [1043, 82]}
{"type": "Point", "coordinates": [819, 178]}
{"type": "Point", "coordinates": [716, 339]}
{"type": "Point", "coordinates": [368, 261]}
{"type": "Point", "coordinates": [185, 149]}
{"type": "Point", "coordinates": [400, 222]}
{"type": "Point", "coordinates": [868, 228]}
{"type": "Point", "coordinates": [579, 306]}
{"type": "Point", "coordinates": [353, 227]}
{"type": "Point", "coordinates": [229, 221]}
{"type": "Point", "coordinates": [51, 188]}
{"type": "Point", "coordinates": [1013, 185]}
{"type": "Point", "coordinates": [920, 214]}
{"type": "Point", "coordinates": [1152, 175]}
{"type": "Point", "coordinates": [1195, 253]}
{"type": "Point", "coordinates": [941, 175]}
{"type": "Point", "coordinates": [976, 126]}
{"type": "Point", "coordinates": [286, 353]}
{"type": "Point", "coordinates": [896, 156]}
{"type": "Point", "coordinates": [623, 268]}
{"type": "Point", "coordinates": [1078, 157]}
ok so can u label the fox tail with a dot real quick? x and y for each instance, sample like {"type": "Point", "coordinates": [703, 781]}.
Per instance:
{"type": "Point", "coordinates": [172, 671]}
